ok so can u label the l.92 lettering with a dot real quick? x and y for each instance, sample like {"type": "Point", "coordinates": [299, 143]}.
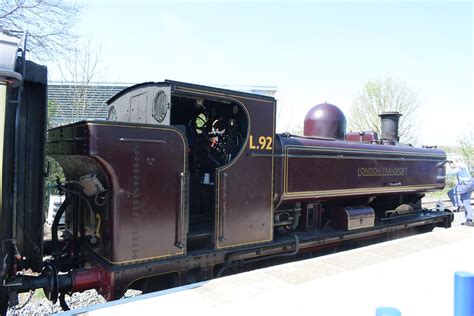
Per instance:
{"type": "Point", "coordinates": [264, 143]}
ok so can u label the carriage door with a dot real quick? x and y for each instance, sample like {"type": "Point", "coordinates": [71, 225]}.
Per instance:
{"type": "Point", "coordinates": [244, 188]}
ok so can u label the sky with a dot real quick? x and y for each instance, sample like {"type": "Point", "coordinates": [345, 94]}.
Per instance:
{"type": "Point", "coordinates": [312, 51]}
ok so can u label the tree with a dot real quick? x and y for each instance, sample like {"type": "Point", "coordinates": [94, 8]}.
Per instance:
{"type": "Point", "coordinates": [54, 169]}
{"type": "Point", "coordinates": [78, 73]}
{"type": "Point", "coordinates": [285, 118]}
{"type": "Point", "coordinates": [466, 143]}
{"type": "Point", "coordinates": [383, 95]}
{"type": "Point", "coordinates": [49, 24]}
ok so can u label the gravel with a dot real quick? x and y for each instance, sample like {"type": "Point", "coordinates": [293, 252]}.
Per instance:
{"type": "Point", "coordinates": [39, 305]}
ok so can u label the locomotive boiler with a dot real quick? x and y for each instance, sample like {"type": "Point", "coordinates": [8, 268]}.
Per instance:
{"type": "Point", "coordinates": [184, 183]}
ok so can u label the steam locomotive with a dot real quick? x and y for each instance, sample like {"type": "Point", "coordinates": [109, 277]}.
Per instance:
{"type": "Point", "coordinates": [184, 183]}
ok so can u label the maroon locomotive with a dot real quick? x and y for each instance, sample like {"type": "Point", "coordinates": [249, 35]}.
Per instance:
{"type": "Point", "coordinates": [185, 183]}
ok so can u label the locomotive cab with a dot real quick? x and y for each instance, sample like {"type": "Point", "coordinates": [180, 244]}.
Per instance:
{"type": "Point", "coordinates": [215, 128]}
{"type": "Point", "coordinates": [189, 146]}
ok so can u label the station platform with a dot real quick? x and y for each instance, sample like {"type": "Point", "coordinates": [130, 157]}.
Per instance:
{"type": "Point", "coordinates": [413, 274]}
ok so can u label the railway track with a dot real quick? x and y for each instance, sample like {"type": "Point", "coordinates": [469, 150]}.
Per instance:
{"type": "Point", "coordinates": [431, 203]}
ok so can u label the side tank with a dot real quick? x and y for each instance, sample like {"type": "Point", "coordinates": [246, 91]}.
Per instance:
{"type": "Point", "coordinates": [317, 168]}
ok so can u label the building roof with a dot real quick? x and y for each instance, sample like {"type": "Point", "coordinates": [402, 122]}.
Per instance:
{"type": "Point", "coordinates": [71, 102]}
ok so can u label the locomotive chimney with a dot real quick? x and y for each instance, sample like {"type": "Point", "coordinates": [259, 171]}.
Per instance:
{"type": "Point", "coordinates": [390, 126]}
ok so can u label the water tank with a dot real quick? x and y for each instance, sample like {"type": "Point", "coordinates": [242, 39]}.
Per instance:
{"type": "Point", "coordinates": [325, 120]}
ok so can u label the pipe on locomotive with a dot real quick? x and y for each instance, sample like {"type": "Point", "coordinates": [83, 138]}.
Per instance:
{"type": "Point", "coordinates": [54, 284]}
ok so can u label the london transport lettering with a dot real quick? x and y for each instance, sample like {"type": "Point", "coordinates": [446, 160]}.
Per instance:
{"type": "Point", "coordinates": [264, 143]}
{"type": "Point", "coordinates": [374, 172]}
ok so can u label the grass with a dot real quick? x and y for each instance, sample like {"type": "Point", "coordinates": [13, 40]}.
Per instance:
{"type": "Point", "coordinates": [39, 294]}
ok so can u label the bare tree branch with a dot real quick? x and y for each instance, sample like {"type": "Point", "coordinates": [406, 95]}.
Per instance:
{"type": "Point", "coordinates": [466, 142]}
{"type": "Point", "coordinates": [78, 72]}
{"type": "Point", "coordinates": [50, 24]}
{"type": "Point", "coordinates": [383, 95]}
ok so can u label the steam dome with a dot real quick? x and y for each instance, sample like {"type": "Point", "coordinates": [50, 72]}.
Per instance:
{"type": "Point", "coordinates": [325, 120]}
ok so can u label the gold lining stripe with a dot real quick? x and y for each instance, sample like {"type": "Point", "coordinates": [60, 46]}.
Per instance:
{"type": "Point", "coordinates": [360, 190]}
{"type": "Point", "coordinates": [367, 151]}
{"type": "Point", "coordinates": [272, 171]}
